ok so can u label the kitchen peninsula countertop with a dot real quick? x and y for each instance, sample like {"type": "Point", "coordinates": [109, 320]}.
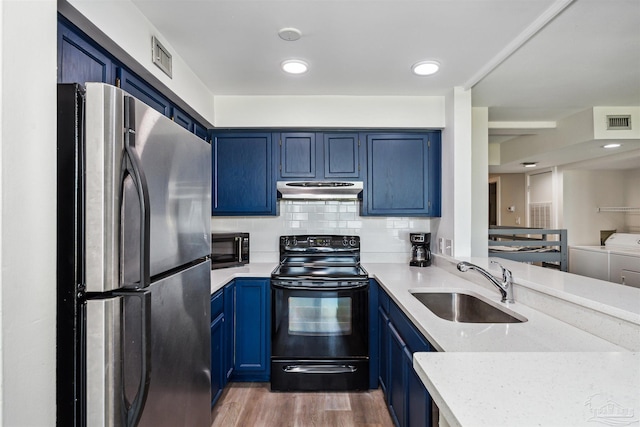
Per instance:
{"type": "Point", "coordinates": [489, 374]}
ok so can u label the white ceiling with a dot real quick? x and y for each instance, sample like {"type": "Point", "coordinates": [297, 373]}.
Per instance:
{"type": "Point", "coordinates": [526, 60]}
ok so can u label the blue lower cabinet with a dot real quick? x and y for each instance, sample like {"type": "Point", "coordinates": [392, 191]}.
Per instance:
{"type": "Point", "coordinates": [407, 398]}
{"type": "Point", "coordinates": [217, 346]}
{"type": "Point", "coordinates": [419, 401]}
{"type": "Point", "coordinates": [397, 387]}
{"type": "Point", "coordinates": [383, 350]}
{"type": "Point", "coordinates": [229, 332]}
{"type": "Point", "coordinates": [252, 330]}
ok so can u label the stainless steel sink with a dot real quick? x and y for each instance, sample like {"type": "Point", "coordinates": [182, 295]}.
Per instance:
{"type": "Point", "coordinates": [465, 308]}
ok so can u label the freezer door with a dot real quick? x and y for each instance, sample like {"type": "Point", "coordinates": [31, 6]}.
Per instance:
{"type": "Point", "coordinates": [140, 169]}
{"type": "Point", "coordinates": [177, 169]}
{"type": "Point", "coordinates": [180, 382]}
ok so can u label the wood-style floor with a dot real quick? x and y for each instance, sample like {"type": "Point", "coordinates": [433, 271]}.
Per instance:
{"type": "Point", "coordinates": [253, 404]}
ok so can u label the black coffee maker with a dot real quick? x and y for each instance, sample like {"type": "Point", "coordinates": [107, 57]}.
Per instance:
{"type": "Point", "coordinates": [420, 249]}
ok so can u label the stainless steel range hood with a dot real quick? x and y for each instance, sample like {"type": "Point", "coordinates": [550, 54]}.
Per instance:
{"type": "Point", "coordinates": [319, 190]}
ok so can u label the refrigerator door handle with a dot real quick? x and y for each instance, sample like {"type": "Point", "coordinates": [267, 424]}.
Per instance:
{"type": "Point", "coordinates": [132, 167]}
{"type": "Point", "coordinates": [132, 411]}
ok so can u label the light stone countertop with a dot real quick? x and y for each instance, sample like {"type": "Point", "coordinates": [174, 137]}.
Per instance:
{"type": "Point", "coordinates": [540, 333]}
{"type": "Point", "coordinates": [222, 276]}
{"type": "Point", "coordinates": [527, 389]}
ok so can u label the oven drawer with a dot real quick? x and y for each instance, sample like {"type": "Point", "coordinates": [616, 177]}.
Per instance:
{"type": "Point", "coordinates": [320, 375]}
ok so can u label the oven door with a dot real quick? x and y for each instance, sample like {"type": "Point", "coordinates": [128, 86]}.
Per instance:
{"type": "Point", "coordinates": [316, 323]}
{"type": "Point", "coordinates": [319, 338]}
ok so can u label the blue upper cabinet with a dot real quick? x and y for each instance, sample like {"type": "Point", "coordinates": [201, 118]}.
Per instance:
{"type": "Point", "coordinates": [140, 89]}
{"type": "Point", "coordinates": [341, 155]}
{"type": "Point", "coordinates": [80, 61]}
{"type": "Point", "coordinates": [243, 178]}
{"type": "Point", "coordinates": [182, 119]}
{"type": "Point", "coordinates": [298, 155]}
{"type": "Point", "coordinates": [201, 131]}
{"type": "Point", "coordinates": [319, 155]}
{"type": "Point", "coordinates": [403, 174]}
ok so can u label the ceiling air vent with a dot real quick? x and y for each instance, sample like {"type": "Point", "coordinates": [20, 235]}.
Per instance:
{"type": "Point", "coordinates": [161, 56]}
{"type": "Point", "coordinates": [619, 122]}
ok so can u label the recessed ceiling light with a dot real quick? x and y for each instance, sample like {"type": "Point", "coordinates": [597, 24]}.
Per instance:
{"type": "Point", "coordinates": [612, 145]}
{"type": "Point", "coordinates": [294, 66]}
{"type": "Point", "coordinates": [425, 68]}
{"type": "Point", "coordinates": [529, 164]}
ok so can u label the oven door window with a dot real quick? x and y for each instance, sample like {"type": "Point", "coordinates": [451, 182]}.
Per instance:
{"type": "Point", "coordinates": [317, 316]}
{"type": "Point", "coordinates": [312, 324]}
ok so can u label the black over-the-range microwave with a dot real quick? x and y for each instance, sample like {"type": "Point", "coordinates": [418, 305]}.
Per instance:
{"type": "Point", "coordinates": [229, 249]}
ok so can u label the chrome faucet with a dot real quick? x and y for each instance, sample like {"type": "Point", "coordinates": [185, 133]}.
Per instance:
{"type": "Point", "coordinates": [505, 287]}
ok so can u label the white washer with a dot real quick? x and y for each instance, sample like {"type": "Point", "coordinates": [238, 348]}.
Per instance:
{"type": "Point", "coordinates": [617, 261]}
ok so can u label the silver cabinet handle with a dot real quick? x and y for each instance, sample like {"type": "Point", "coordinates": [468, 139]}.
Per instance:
{"type": "Point", "coordinates": [320, 369]}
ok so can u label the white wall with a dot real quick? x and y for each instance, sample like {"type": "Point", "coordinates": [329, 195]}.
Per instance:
{"type": "Point", "coordinates": [583, 192]}
{"type": "Point", "coordinates": [330, 111]}
{"type": "Point", "coordinates": [382, 239]}
{"type": "Point", "coordinates": [632, 199]}
{"type": "Point", "coordinates": [479, 182]}
{"type": "Point", "coordinates": [27, 212]}
{"type": "Point", "coordinates": [455, 224]}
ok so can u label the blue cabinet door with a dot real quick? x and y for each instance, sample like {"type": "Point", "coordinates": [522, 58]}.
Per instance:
{"type": "Point", "coordinates": [403, 175]}
{"type": "Point", "coordinates": [140, 89]}
{"type": "Point", "coordinates": [383, 350]}
{"type": "Point", "coordinates": [298, 155]}
{"type": "Point", "coordinates": [419, 401]}
{"type": "Point", "coordinates": [217, 345]}
{"type": "Point", "coordinates": [79, 59]}
{"type": "Point", "coordinates": [229, 331]}
{"type": "Point", "coordinates": [397, 387]}
{"type": "Point", "coordinates": [341, 155]}
{"type": "Point", "coordinates": [252, 337]}
{"type": "Point", "coordinates": [217, 356]}
{"type": "Point", "coordinates": [200, 131]}
{"type": "Point", "coordinates": [182, 118]}
{"type": "Point", "coordinates": [319, 155]}
{"type": "Point", "coordinates": [243, 178]}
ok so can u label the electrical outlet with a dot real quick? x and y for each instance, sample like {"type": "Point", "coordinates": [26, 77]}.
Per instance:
{"type": "Point", "coordinates": [440, 245]}
{"type": "Point", "coordinates": [448, 247]}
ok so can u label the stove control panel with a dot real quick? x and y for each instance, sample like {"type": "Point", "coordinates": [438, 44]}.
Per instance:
{"type": "Point", "coordinates": [319, 242]}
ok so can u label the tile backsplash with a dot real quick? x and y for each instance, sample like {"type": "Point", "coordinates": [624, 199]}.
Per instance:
{"type": "Point", "coordinates": [382, 239]}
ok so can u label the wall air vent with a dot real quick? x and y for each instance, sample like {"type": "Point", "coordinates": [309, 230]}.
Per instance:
{"type": "Point", "coordinates": [619, 122]}
{"type": "Point", "coordinates": [161, 56]}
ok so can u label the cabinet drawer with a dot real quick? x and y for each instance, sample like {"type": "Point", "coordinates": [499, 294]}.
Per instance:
{"type": "Point", "coordinates": [216, 304]}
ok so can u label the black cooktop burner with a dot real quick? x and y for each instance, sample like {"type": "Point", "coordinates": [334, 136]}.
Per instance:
{"type": "Point", "coordinates": [320, 257]}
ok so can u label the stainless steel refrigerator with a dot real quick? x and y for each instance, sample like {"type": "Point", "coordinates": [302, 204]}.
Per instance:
{"type": "Point", "coordinates": [134, 200]}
